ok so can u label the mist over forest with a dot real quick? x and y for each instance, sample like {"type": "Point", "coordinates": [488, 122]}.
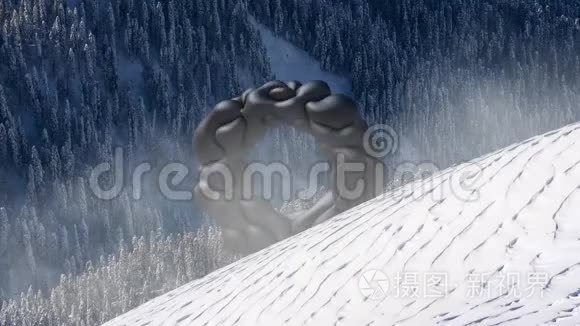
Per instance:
{"type": "Point", "coordinates": [79, 79]}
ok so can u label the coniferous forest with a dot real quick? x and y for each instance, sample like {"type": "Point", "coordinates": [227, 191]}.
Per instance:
{"type": "Point", "coordinates": [79, 79]}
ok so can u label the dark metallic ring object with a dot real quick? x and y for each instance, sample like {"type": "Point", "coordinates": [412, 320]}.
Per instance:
{"type": "Point", "coordinates": [235, 126]}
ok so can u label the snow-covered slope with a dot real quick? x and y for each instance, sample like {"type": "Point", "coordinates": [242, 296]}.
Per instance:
{"type": "Point", "coordinates": [494, 242]}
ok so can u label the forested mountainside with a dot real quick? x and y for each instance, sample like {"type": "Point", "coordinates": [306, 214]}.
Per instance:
{"type": "Point", "coordinates": [120, 283]}
{"type": "Point", "coordinates": [492, 71]}
{"type": "Point", "coordinates": [78, 81]}
{"type": "Point", "coordinates": [80, 78]}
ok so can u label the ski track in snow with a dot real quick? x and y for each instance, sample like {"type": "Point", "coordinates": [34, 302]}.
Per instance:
{"type": "Point", "coordinates": [523, 220]}
{"type": "Point", "coordinates": [291, 63]}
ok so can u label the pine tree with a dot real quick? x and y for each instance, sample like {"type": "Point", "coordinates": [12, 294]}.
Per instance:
{"type": "Point", "coordinates": [29, 252]}
{"type": "Point", "coordinates": [77, 250]}
{"type": "Point", "coordinates": [15, 149]}
{"type": "Point", "coordinates": [55, 164]}
{"type": "Point", "coordinates": [68, 158]}
{"type": "Point", "coordinates": [84, 235]}
{"type": "Point", "coordinates": [3, 144]}
{"type": "Point", "coordinates": [64, 242]}
{"type": "Point", "coordinates": [45, 146]}
{"type": "Point", "coordinates": [38, 169]}
{"type": "Point", "coordinates": [31, 190]}
{"type": "Point", "coordinates": [5, 115]}
{"type": "Point", "coordinates": [4, 231]}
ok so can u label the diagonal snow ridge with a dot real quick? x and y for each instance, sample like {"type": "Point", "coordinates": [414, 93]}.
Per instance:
{"type": "Point", "coordinates": [508, 255]}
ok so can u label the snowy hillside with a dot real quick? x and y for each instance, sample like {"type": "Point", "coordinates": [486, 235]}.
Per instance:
{"type": "Point", "coordinates": [494, 242]}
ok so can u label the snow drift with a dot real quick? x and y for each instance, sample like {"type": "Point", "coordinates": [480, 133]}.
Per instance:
{"type": "Point", "coordinates": [490, 242]}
